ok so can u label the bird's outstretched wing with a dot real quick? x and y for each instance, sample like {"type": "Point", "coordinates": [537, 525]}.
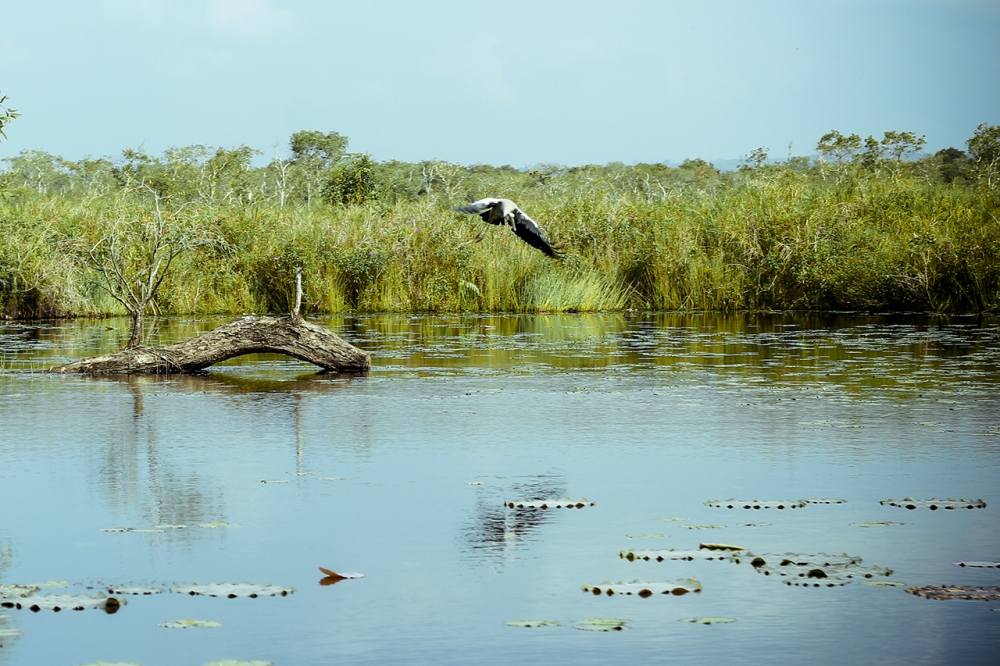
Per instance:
{"type": "Point", "coordinates": [477, 207]}
{"type": "Point", "coordinates": [529, 231]}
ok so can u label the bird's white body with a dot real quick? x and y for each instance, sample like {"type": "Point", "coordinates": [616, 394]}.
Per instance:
{"type": "Point", "coordinates": [493, 210]}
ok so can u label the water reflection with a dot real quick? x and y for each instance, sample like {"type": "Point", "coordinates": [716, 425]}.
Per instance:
{"type": "Point", "coordinates": [135, 474]}
{"type": "Point", "coordinates": [495, 530]}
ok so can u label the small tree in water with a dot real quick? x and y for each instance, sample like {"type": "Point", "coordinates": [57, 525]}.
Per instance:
{"type": "Point", "coordinates": [136, 255]}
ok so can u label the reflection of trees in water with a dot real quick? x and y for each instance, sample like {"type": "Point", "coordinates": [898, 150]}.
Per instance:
{"type": "Point", "coordinates": [495, 530]}
{"type": "Point", "coordinates": [135, 473]}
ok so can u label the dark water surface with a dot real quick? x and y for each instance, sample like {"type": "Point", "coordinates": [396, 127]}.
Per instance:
{"type": "Point", "coordinates": [402, 475]}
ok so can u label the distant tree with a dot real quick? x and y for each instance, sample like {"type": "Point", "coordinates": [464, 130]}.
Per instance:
{"type": "Point", "coordinates": [755, 159]}
{"type": "Point", "coordinates": [835, 145]}
{"type": "Point", "coordinates": [951, 164]}
{"type": "Point", "coordinates": [6, 116]}
{"type": "Point", "coordinates": [228, 175]}
{"type": "Point", "coordinates": [984, 149]}
{"type": "Point", "coordinates": [313, 154]}
{"type": "Point", "coordinates": [352, 182]}
{"type": "Point", "coordinates": [897, 144]}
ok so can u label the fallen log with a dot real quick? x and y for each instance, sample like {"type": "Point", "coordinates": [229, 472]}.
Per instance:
{"type": "Point", "coordinates": [291, 336]}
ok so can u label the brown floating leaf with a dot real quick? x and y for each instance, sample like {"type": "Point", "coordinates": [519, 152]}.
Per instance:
{"type": "Point", "coordinates": [333, 577]}
{"type": "Point", "coordinates": [957, 592]}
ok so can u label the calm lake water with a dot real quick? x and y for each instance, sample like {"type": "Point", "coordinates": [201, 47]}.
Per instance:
{"type": "Point", "coordinates": [263, 471]}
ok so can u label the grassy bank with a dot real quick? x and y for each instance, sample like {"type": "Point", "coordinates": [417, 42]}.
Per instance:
{"type": "Point", "coordinates": [770, 237]}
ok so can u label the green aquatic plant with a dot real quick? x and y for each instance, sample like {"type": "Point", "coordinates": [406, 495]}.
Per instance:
{"type": "Point", "coordinates": [757, 504]}
{"type": "Point", "coordinates": [233, 590]}
{"type": "Point", "coordinates": [957, 592]}
{"type": "Point", "coordinates": [708, 620]}
{"type": "Point", "coordinates": [934, 504]}
{"type": "Point", "coordinates": [60, 602]}
{"type": "Point", "coordinates": [645, 589]}
{"type": "Point", "coordinates": [190, 624]}
{"type": "Point", "coordinates": [601, 624]}
{"type": "Point", "coordinates": [544, 504]}
{"type": "Point", "coordinates": [665, 554]}
{"type": "Point", "coordinates": [532, 624]}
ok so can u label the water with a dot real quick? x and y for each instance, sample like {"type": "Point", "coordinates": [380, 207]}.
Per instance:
{"type": "Point", "coordinates": [402, 475]}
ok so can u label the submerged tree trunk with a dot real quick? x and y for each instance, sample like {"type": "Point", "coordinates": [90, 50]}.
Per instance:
{"type": "Point", "coordinates": [250, 335]}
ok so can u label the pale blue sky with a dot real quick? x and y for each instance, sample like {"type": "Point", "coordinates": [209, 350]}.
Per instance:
{"type": "Point", "coordinates": [564, 81]}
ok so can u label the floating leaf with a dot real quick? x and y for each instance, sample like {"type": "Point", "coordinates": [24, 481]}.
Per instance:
{"type": "Point", "coordinates": [137, 530]}
{"type": "Point", "coordinates": [720, 546]}
{"type": "Point", "coordinates": [543, 504]}
{"type": "Point", "coordinates": [475, 483]}
{"type": "Point", "coordinates": [884, 583]}
{"type": "Point", "coordinates": [191, 624]}
{"type": "Point", "coordinates": [600, 624]}
{"type": "Point", "coordinates": [956, 592]}
{"type": "Point", "coordinates": [876, 523]}
{"type": "Point", "coordinates": [824, 500]}
{"type": "Point", "coordinates": [532, 624]}
{"type": "Point", "coordinates": [56, 603]}
{"type": "Point", "coordinates": [756, 504]}
{"type": "Point", "coordinates": [645, 589]}
{"type": "Point", "coordinates": [134, 590]}
{"type": "Point", "coordinates": [708, 620]}
{"type": "Point", "coordinates": [703, 527]}
{"type": "Point", "coordinates": [979, 565]}
{"type": "Point", "coordinates": [671, 554]}
{"type": "Point", "coordinates": [12, 590]}
{"type": "Point", "coordinates": [935, 504]}
{"type": "Point", "coordinates": [333, 577]}
{"type": "Point", "coordinates": [273, 481]}
{"type": "Point", "coordinates": [233, 590]}
{"type": "Point", "coordinates": [798, 559]}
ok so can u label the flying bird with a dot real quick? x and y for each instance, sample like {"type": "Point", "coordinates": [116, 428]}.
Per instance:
{"type": "Point", "coordinates": [505, 211]}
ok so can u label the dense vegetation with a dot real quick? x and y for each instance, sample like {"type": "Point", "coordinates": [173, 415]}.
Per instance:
{"type": "Point", "coordinates": [865, 225]}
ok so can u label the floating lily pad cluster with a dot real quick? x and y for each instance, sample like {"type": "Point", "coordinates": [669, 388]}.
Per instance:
{"type": "Point", "coordinates": [757, 504]}
{"type": "Point", "coordinates": [544, 504]}
{"type": "Point", "coordinates": [28, 597]}
{"type": "Point", "coordinates": [645, 589]}
{"type": "Point", "coordinates": [934, 504]}
{"type": "Point", "coordinates": [957, 592]}
{"type": "Point", "coordinates": [233, 590]}
{"type": "Point", "coordinates": [813, 570]}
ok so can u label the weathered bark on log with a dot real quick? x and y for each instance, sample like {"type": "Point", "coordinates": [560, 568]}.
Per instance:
{"type": "Point", "coordinates": [251, 335]}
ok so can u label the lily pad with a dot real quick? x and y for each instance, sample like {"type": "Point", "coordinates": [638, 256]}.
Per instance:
{"type": "Point", "coordinates": [703, 527]}
{"type": "Point", "coordinates": [934, 504]}
{"type": "Point", "coordinates": [601, 624]}
{"type": "Point", "coordinates": [824, 500]}
{"type": "Point", "coordinates": [884, 583]}
{"type": "Point", "coordinates": [532, 624]}
{"type": "Point", "coordinates": [756, 504]}
{"type": "Point", "coordinates": [233, 590]}
{"type": "Point", "coordinates": [544, 504]}
{"type": "Point", "coordinates": [13, 590]}
{"type": "Point", "coordinates": [137, 530]}
{"type": "Point", "coordinates": [191, 624]}
{"type": "Point", "coordinates": [60, 602]}
{"type": "Point", "coordinates": [721, 546]}
{"type": "Point", "coordinates": [979, 565]}
{"type": "Point", "coordinates": [957, 592]}
{"type": "Point", "coordinates": [798, 559]}
{"type": "Point", "coordinates": [664, 554]}
{"type": "Point", "coordinates": [645, 589]}
{"type": "Point", "coordinates": [708, 620]}
{"type": "Point", "coordinates": [876, 523]}
{"type": "Point", "coordinates": [134, 591]}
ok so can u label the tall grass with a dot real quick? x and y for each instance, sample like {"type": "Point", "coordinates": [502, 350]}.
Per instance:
{"type": "Point", "coordinates": [770, 239]}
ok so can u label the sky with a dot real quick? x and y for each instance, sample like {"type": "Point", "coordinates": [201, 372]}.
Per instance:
{"type": "Point", "coordinates": [520, 83]}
